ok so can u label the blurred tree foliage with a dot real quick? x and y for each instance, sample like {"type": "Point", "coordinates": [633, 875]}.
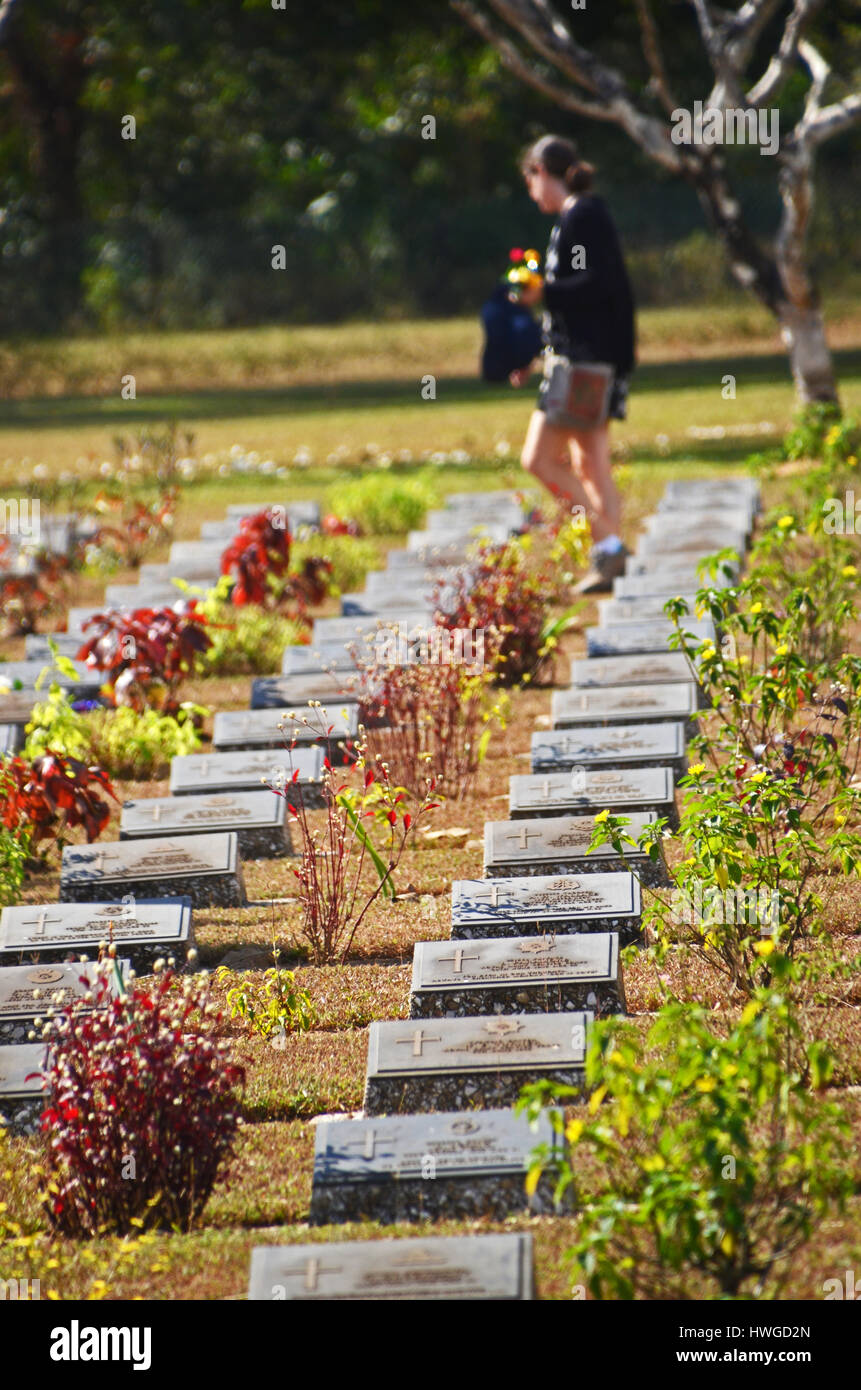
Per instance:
{"type": "Point", "coordinates": [302, 127]}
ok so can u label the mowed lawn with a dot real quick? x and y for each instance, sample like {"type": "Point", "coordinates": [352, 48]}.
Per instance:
{"type": "Point", "coordinates": [283, 391]}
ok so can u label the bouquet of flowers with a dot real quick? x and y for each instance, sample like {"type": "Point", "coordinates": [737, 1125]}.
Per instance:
{"type": "Point", "coordinates": [523, 271]}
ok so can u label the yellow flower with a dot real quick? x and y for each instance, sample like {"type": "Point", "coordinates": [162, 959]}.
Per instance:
{"type": "Point", "coordinates": [696, 768]}
{"type": "Point", "coordinates": [852, 461]}
{"type": "Point", "coordinates": [849, 571]}
{"type": "Point", "coordinates": [782, 650]}
{"type": "Point", "coordinates": [758, 777]}
{"type": "Point", "coordinates": [757, 607]}
{"type": "Point", "coordinates": [763, 948]}
{"type": "Point", "coordinates": [573, 1131]}
{"type": "Point", "coordinates": [706, 1083]}
{"type": "Point", "coordinates": [785, 522]}
{"type": "Point", "coordinates": [602, 816]}
{"type": "Point", "coordinates": [833, 435]}
{"type": "Point", "coordinates": [708, 654]}
{"type": "Point", "coordinates": [727, 1245]}
{"type": "Point", "coordinates": [533, 1177]}
{"type": "Point", "coordinates": [654, 1164]}
{"type": "Point", "coordinates": [749, 1012]}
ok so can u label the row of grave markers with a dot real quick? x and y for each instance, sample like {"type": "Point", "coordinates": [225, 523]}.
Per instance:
{"type": "Point", "coordinates": [534, 951]}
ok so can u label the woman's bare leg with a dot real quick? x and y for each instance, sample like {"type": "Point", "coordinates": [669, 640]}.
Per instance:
{"type": "Point", "coordinates": [544, 455]}
{"type": "Point", "coordinates": [590, 460]}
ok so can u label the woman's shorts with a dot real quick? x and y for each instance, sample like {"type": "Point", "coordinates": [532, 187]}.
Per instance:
{"type": "Point", "coordinates": [618, 404]}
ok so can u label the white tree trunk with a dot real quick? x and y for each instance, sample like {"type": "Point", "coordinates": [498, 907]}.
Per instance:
{"type": "Point", "coordinates": [803, 332]}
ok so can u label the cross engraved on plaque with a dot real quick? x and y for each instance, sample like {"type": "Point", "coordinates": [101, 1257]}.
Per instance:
{"type": "Point", "coordinates": [459, 957]}
{"type": "Point", "coordinates": [156, 813]}
{"type": "Point", "coordinates": [368, 1142]}
{"type": "Point", "coordinates": [490, 894]}
{"type": "Point", "coordinates": [99, 859]}
{"type": "Point", "coordinates": [312, 1271]}
{"type": "Point", "coordinates": [522, 837]}
{"type": "Point", "coordinates": [545, 789]}
{"type": "Point", "coordinates": [39, 921]}
{"type": "Point", "coordinates": [418, 1039]}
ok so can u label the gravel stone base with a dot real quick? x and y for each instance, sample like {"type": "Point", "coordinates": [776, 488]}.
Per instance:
{"type": "Point", "coordinates": [141, 954]}
{"type": "Point", "coordinates": [678, 765]}
{"type": "Point", "coordinates": [400, 1095]}
{"type": "Point", "coordinates": [600, 998]}
{"type": "Point", "coordinates": [630, 928]}
{"type": "Point", "coordinates": [494, 1195]}
{"type": "Point", "coordinates": [22, 1116]}
{"type": "Point", "coordinates": [660, 808]}
{"type": "Point", "coordinates": [653, 875]}
{"type": "Point", "coordinates": [204, 890]}
{"type": "Point", "coordinates": [15, 1030]}
{"type": "Point", "coordinates": [265, 843]}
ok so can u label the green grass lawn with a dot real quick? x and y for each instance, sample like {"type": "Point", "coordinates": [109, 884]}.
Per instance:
{"type": "Point", "coordinates": [278, 391]}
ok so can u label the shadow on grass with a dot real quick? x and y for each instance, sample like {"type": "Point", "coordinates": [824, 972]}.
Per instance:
{"type": "Point", "coordinates": [232, 403]}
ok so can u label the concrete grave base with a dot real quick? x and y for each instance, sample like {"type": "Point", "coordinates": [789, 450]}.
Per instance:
{"type": "Point", "coordinates": [398, 1095]}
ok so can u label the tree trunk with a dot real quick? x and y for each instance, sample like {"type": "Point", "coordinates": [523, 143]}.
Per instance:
{"type": "Point", "coordinates": [800, 317]}
{"type": "Point", "coordinates": [803, 332]}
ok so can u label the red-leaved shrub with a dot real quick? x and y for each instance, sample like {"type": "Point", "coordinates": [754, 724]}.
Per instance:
{"type": "Point", "coordinates": [258, 554]}
{"type": "Point", "coordinates": [505, 597]}
{"type": "Point", "coordinates": [51, 794]}
{"type": "Point", "coordinates": [258, 558]}
{"type": "Point", "coordinates": [143, 1109]}
{"type": "Point", "coordinates": [147, 653]}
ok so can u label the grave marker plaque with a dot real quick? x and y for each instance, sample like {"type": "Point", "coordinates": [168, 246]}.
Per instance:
{"type": "Point", "coordinates": [619, 639]}
{"type": "Point", "coordinates": [664, 584]}
{"type": "Point", "coordinates": [508, 975]}
{"type": "Point", "coordinates": [11, 736]}
{"type": "Point", "coordinates": [620, 746]}
{"type": "Point", "coordinates": [259, 819]}
{"type": "Point", "coordinates": [652, 668]}
{"type": "Point", "coordinates": [234, 772]}
{"type": "Point", "coordinates": [22, 1096]}
{"type": "Point", "coordinates": [36, 646]}
{"type": "Point", "coordinates": [463, 1268]}
{"type": "Point", "coordinates": [546, 904]}
{"type": "Point", "coordinates": [691, 540]}
{"type": "Point", "coordinates": [321, 658]}
{"type": "Point", "coordinates": [143, 930]}
{"type": "Point", "coordinates": [27, 673]}
{"type": "Point", "coordinates": [363, 631]}
{"type": "Point", "coordinates": [578, 708]}
{"type": "Point", "coordinates": [204, 868]}
{"type": "Point", "coordinates": [27, 992]}
{"type": "Point", "coordinates": [422, 1167]}
{"type": "Point", "coordinates": [645, 607]}
{"type": "Point", "coordinates": [558, 793]}
{"type": "Point", "coordinates": [560, 844]}
{"type": "Point", "coordinates": [271, 728]}
{"type": "Point", "coordinates": [470, 1063]}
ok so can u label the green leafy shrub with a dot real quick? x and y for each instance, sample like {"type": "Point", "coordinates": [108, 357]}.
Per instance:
{"type": "Point", "coordinates": [272, 1006]}
{"type": "Point", "coordinates": [704, 1159]}
{"type": "Point", "coordinates": [383, 505]}
{"type": "Point", "coordinates": [248, 640]}
{"type": "Point", "coordinates": [14, 854]}
{"type": "Point", "coordinates": [351, 559]}
{"type": "Point", "coordinates": [122, 741]}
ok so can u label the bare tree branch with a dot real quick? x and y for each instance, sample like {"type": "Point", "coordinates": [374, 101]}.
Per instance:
{"type": "Point", "coordinates": [742, 29]}
{"type": "Point", "coordinates": [833, 120]}
{"type": "Point", "coordinates": [516, 63]}
{"type": "Point", "coordinates": [7, 11]}
{"type": "Point", "coordinates": [783, 60]}
{"type": "Point", "coordinates": [546, 33]}
{"type": "Point", "coordinates": [654, 56]}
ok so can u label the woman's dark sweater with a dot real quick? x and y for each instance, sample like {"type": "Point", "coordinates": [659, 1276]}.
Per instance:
{"type": "Point", "coordinates": [589, 313]}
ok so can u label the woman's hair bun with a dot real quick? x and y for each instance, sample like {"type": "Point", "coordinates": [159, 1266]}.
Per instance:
{"type": "Point", "coordinates": [578, 176]}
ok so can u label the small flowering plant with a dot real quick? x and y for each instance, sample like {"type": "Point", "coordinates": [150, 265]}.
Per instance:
{"type": "Point", "coordinates": [524, 271]}
{"type": "Point", "coordinates": [143, 1108]}
{"type": "Point", "coordinates": [342, 870]}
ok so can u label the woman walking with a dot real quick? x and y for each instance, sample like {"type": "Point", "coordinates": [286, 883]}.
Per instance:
{"type": "Point", "coordinates": [588, 319]}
